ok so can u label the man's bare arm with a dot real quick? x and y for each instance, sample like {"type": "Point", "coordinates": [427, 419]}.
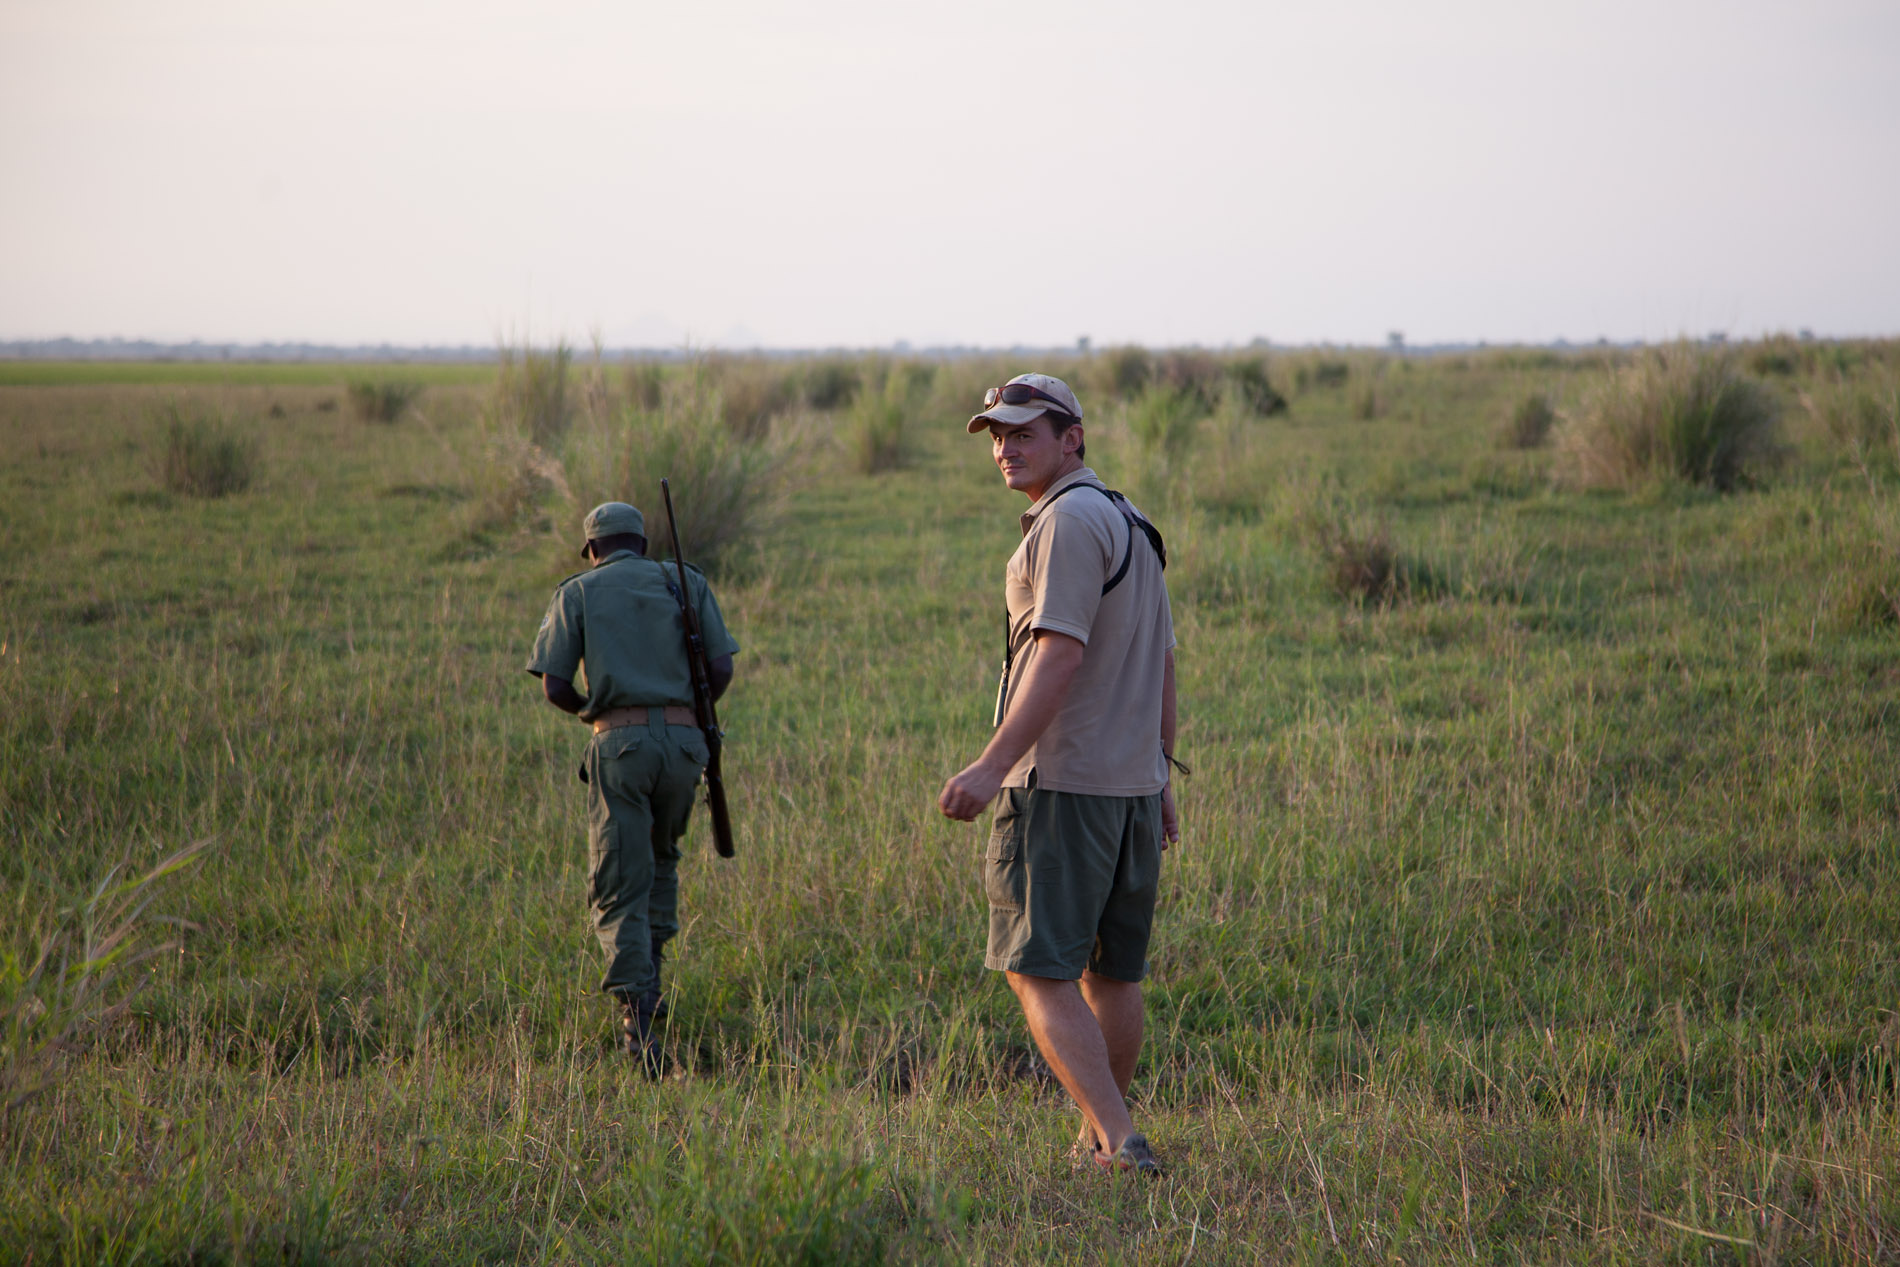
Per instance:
{"type": "Point", "coordinates": [1043, 692]}
{"type": "Point", "coordinates": [561, 693]}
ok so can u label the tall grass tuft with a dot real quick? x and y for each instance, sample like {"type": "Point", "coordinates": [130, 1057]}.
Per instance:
{"type": "Point", "coordinates": [1367, 402]}
{"type": "Point", "coordinates": [1528, 424]}
{"type": "Point", "coordinates": [381, 400]}
{"type": "Point", "coordinates": [82, 979]}
{"type": "Point", "coordinates": [1252, 387]}
{"type": "Point", "coordinates": [646, 382]}
{"type": "Point", "coordinates": [1191, 373]}
{"type": "Point", "coordinates": [531, 392]}
{"type": "Point", "coordinates": [1121, 373]}
{"type": "Point", "coordinates": [1311, 372]}
{"type": "Point", "coordinates": [1163, 421]}
{"type": "Point", "coordinates": [1861, 414]}
{"type": "Point", "coordinates": [830, 384]}
{"type": "Point", "coordinates": [874, 429]}
{"type": "Point", "coordinates": [726, 488]}
{"type": "Point", "coordinates": [1682, 412]}
{"type": "Point", "coordinates": [751, 392]}
{"type": "Point", "coordinates": [204, 455]}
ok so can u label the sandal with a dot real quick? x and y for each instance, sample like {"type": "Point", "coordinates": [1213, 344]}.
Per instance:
{"type": "Point", "coordinates": [1134, 1154]}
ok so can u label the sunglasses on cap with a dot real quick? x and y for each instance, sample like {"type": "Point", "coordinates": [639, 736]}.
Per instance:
{"type": "Point", "coordinates": [1021, 394]}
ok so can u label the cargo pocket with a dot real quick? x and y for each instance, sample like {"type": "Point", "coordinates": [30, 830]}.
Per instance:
{"type": "Point", "coordinates": [603, 864]}
{"type": "Point", "coordinates": [1003, 866]}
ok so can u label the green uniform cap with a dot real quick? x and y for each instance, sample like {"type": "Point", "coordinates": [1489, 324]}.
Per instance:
{"type": "Point", "coordinates": [610, 519]}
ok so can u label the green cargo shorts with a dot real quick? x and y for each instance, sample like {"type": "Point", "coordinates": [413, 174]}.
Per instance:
{"type": "Point", "coordinates": [1071, 880]}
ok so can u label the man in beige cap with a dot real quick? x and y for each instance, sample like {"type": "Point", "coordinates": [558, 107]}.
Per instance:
{"type": "Point", "coordinates": [1079, 764]}
{"type": "Point", "coordinates": [621, 618]}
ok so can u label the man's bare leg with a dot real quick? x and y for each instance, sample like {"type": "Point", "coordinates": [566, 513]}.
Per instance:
{"type": "Point", "coordinates": [1072, 1041]}
{"type": "Point", "coordinates": [1118, 1012]}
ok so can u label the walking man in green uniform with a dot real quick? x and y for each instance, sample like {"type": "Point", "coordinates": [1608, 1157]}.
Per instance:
{"type": "Point", "coordinates": [1078, 767]}
{"type": "Point", "coordinates": [621, 619]}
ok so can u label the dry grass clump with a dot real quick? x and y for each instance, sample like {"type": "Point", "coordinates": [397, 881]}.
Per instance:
{"type": "Point", "coordinates": [1681, 412]}
{"type": "Point", "coordinates": [751, 392]}
{"type": "Point", "coordinates": [726, 485]}
{"type": "Point", "coordinates": [1778, 354]}
{"type": "Point", "coordinates": [1861, 414]}
{"type": "Point", "coordinates": [1529, 422]}
{"type": "Point", "coordinates": [381, 400]}
{"type": "Point", "coordinates": [1163, 421]}
{"type": "Point", "coordinates": [874, 429]}
{"type": "Point", "coordinates": [1120, 373]}
{"type": "Point", "coordinates": [830, 383]}
{"type": "Point", "coordinates": [1311, 372]}
{"type": "Point", "coordinates": [531, 392]}
{"type": "Point", "coordinates": [1191, 373]}
{"type": "Point", "coordinates": [204, 455]}
{"type": "Point", "coordinates": [1251, 387]}
{"type": "Point", "coordinates": [645, 384]}
{"type": "Point", "coordinates": [1870, 601]}
{"type": "Point", "coordinates": [1367, 402]}
{"type": "Point", "coordinates": [82, 979]}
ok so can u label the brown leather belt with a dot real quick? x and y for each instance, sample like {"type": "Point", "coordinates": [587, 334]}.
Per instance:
{"type": "Point", "coordinates": [674, 715]}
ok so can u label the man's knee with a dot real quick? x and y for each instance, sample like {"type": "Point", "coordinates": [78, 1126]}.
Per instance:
{"type": "Point", "coordinates": [1024, 984]}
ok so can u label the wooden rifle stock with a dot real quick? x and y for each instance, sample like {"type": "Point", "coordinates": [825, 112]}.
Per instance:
{"type": "Point", "coordinates": [701, 671]}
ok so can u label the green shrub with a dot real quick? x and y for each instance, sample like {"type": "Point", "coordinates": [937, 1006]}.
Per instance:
{"type": "Point", "coordinates": [381, 400]}
{"type": "Point", "coordinates": [1311, 372]}
{"type": "Point", "coordinates": [830, 384]}
{"type": "Point", "coordinates": [1192, 374]}
{"type": "Point", "coordinates": [204, 455]}
{"type": "Point", "coordinates": [1367, 403]}
{"type": "Point", "coordinates": [531, 392]}
{"type": "Point", "coordinates": [875, 429]}
{"type": "Point", "coordinates": [751, 392]}
{"type": "Point", "coordinates": [1120, 373]}
{"type": "Point", "coordinates": [1861, 414]}
{"type": "Point", "coordinates": [1776, 355]}
{"type": "Point", "coordinates": [1528, 424]}
{"type": "Point", "coordinates": [725, 487]}
{"type": "Point", "coordinates": [1163, 422]}
{"type": "Point", "coordinates": [1868, 601]}
{"type": "Point", "coordinates": [1681, 412]}
{"type": "Point", "coordinates": [646, 381]}
{"type": "Point", "coordinates": [1363, 568]}
{"type": "Point", "coordinates": [1249, 383]}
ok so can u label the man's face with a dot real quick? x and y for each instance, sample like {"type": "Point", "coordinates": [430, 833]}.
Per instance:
{"type": "Point", "coordinates": [1030, 454]}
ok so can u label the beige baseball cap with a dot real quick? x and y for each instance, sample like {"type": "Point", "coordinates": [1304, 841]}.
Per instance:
{"type": "Point", "coordinates": [1033, 396]}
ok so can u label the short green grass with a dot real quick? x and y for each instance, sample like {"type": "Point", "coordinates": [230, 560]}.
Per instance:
{"type": "Point", "coordinates": [1544, 912]}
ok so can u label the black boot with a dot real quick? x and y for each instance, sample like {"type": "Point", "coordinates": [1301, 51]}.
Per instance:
{"type": "Point", "coordinates": [653, 1000]}
{"type": "Point", "coordinates": [636, 1037]}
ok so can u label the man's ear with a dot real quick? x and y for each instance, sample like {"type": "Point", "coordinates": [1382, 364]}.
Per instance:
{"type": "Point", "coordinates": [1072, 438]}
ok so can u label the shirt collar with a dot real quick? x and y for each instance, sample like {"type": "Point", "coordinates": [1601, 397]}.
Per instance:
{"type": "Point", "coordinates": [1048, 494]}
{"type": "Point", "coordinates": [616, 556]}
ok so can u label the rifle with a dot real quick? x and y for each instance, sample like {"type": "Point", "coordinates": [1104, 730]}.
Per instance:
{"type": "Point", "coordinates": [701, 671]}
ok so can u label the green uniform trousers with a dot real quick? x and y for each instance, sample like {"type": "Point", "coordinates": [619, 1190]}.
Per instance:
{"type": "Point", "coordinates": [641, 780]}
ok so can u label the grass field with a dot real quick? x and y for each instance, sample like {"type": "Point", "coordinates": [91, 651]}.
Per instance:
{"type": "Point", "coordinates": [1539, 907]}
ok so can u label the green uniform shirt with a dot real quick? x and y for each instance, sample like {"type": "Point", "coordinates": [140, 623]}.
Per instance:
{"type": "Point", "coordinates": [622, 620]}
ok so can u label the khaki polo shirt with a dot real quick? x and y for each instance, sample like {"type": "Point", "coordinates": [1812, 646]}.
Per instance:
{"type": "Point", "coordinates": [1106, 739]}
{"type": "Point", "coordinates": [621, 620]}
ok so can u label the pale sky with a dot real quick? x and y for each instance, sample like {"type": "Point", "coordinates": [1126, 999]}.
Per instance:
{"type": "Point", "coordinates": [837, 173]}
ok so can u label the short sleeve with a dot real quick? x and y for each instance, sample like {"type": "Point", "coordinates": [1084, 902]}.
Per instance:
{"type": "Point", "coordinates": [712, 624]}
{"type": "Point", "coordinates": [558, 643]}
{"type": "Point", "coordinates": [1068, 564]}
